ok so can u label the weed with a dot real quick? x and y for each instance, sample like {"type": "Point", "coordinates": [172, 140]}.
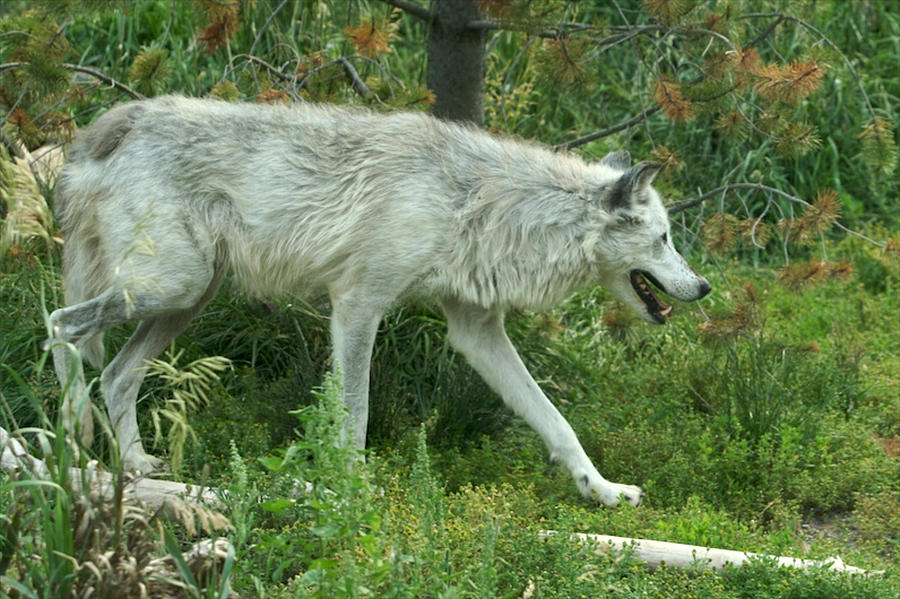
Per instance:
{"type": "Point", "coordinates": [188, 390]}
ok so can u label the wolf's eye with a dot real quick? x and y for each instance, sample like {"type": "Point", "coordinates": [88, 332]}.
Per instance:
{"type": "Point", "coordinates": [665, 238]}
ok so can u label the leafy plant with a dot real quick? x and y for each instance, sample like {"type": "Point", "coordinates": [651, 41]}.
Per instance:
{"type": "Point", "coordinates": [332, 496]}
{"type": "Point", "coordinates": [189, 388]}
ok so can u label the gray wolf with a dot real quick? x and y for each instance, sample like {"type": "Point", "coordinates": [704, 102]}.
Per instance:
{"type": "Point", "coordinates": [160, 198]}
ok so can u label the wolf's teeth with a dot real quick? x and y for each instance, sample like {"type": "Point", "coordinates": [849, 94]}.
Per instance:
{"type": "Point", "coordinates": [667, 311]}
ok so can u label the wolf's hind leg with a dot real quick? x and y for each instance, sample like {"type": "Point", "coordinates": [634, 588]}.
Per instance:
{"type": "Point", "coordinates": [121, 382]}
{"type": "Point", "coordinates": [479, 335]}
{"type": "Point", "coordinates": [69, 327]}
{"type": "Point", "coordinates": [163, 313]}
{"type": "Point", "coordinates": [121, 379]}
{"type": "Point", "coordinates": [92, 317]}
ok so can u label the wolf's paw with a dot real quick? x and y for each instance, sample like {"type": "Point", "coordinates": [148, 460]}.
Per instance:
{"type": "Point", "coordinates": [57, 328]}
{"type": "Point", "coordinates": [136, 460]}
{"type": "Point", "coordinates": [608, 493]}
{"type": "Point", "coordinates": [56, 333]}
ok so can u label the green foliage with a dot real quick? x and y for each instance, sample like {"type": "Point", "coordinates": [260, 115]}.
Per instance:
{"type": "Point", "coordinates": [756, 388]}
{"type": "Point", "coordinates": [419, 375]}
{"type": "Point", "coordinates": [877, 517]}
{"type": "Point", "coordinates": [188, 390]}
{"type": "Point", "coordinates": [150, 71]}
{"type": "Point", "coordinates": [330, 510]}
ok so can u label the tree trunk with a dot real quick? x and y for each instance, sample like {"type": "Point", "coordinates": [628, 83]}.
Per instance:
{"type": "Point", "coordinates": [456, 61]}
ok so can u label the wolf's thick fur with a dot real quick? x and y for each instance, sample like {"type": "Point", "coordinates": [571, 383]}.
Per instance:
{"type": "Point", "coordinates": [160, 198]}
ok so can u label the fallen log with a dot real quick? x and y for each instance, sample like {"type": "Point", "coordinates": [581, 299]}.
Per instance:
{"type": "Point", "coordinates": [153, 492]}
{"type": "Point", "coordinates": [200, 559]}
{"type": "Point", "coordinates": [678, 555]}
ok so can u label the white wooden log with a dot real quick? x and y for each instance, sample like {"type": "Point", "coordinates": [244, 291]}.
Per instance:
{"type": "Point", "coordinates": [154, 492]}
{"type": "Point", "coordinates": [200, 559]}
{"type": "Point", "coordinates": [678, 555]}
{"type": "Point", "coordinates": [45, 162]}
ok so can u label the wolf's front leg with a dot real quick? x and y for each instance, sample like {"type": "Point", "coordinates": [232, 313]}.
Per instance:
{"type": "Point", "coordinates": [354, 323]}
{"type": "Point", "coordinates": [479, 335]}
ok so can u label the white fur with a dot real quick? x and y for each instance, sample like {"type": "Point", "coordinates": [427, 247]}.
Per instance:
{"type": "Point", "coordinates": [160, 198]}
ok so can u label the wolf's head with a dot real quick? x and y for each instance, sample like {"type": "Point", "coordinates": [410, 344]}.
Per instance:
{"type": "Point", "coordinates": [635, 250]}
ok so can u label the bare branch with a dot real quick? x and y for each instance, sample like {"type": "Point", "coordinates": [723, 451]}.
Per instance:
{"type": "Point", "coordinates": [105, 79]}
{"type": "Point", "coordinates": [765, 32]}
{"type": "Point", "coordinates": [358, 84]}
{"type": "Point", "coordinates": [693, 557]}
{"type": "Point", "coordinates": [265, 26]}
{"type": "Point", "coordinates": [271, 69]}
{"type": "Point", "coordinates": [609, 130]}
{"type": "Point", "coordinates": [562, 30]}
{"type": "Point", "coordinates": [15, 457]}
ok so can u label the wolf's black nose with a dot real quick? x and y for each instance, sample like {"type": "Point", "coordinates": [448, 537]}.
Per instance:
{"type": "Point", "coordinates": [705, 288]}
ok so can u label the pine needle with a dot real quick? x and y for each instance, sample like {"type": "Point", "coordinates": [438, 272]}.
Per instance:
{"type": "Point", "coordinates": [372, 38]}
{"type": "Point", "coordinates": [879, 149]}
{"type": "Point", "coordinates": [720, 233]}
{"type": "Point", "coordinates": [790, 83]}
{"type": "Point", "coordinates": [150, 71]}
{"type": "Point", "coordinates": [668, 11]}
{"type": "Point", "coordinates": [806, 274]}
{"type": "Point", "coordinates": [744, 320]}
{"type": "Point", "coordinates": [669, 96]}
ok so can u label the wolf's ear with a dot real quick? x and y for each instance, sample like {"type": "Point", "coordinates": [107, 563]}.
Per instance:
{"type": "Point", "coordinates": [642, 174]}
{"type": "Point", "coordinates": [634, 179]}
{"type": "Point", "coordinates": [620, 159]}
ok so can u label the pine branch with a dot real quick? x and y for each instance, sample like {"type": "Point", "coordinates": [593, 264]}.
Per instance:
{"type": "Point", "coordinates": [681, 206]}
{"type": "Point", "coordinates": [85, 70]}
{"type": "Point", "coordinates": [371, 37]}
{"type": "Point", "coordinates": [673, 103]}
{"type": "Point", "coordinates": [829, 43]}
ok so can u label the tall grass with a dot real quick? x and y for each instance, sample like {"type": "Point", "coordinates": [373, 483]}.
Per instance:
{"type": "Point", "coordinates": [61, 535]}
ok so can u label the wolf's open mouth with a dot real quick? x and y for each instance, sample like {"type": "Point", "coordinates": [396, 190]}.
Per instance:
{"type": "Point", "coordinates": [658, 310]}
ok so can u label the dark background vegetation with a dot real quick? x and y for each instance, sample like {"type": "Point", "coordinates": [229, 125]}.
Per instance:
{"type": "Point", "coordinates": [766, 418]}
